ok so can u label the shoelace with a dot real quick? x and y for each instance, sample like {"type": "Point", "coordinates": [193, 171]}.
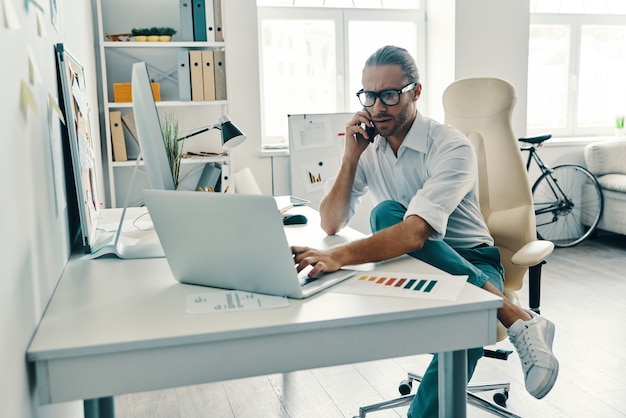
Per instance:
{"type": "Point", "coordinates": [529, 354]}
{"type": "Point", "coordinates": [526, 353]}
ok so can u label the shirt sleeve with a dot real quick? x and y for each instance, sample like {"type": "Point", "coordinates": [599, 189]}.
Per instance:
{"type": "Point", "coordinates": [451, 166]}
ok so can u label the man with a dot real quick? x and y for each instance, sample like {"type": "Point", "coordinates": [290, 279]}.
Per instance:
{"type": "Point", "coordinates": [423, 178]}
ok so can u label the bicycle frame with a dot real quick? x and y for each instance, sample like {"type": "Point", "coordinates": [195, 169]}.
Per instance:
{"type": "Point", "coordinates": [562, 202]}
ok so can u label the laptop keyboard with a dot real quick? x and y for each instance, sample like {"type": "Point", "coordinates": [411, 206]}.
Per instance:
{"type": "Point", "coordinates": [303, 277]}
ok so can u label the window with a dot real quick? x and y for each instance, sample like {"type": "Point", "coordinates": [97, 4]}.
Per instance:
{"type": "Point", "coordinates": [311, 57]}
{"type": "Point", "coordinates": [576, 64]}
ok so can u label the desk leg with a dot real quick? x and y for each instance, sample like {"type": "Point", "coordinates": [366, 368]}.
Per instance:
{"type": "Point", "coordinates": [453, 384]}
{"type": "Point", "coordinates": [99, 408]}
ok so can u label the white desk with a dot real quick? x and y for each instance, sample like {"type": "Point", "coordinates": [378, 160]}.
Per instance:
{"type": "Point", "coordinates": [119, 326]}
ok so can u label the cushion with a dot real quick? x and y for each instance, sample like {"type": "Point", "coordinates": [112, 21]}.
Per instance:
{"type": "Point", "coordinates": [606, 157]}
{"type": "Point", "coordinates": [615, 182]}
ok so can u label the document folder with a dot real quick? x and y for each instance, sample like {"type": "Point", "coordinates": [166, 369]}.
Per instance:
{"type": "Point", "coordinates": [199, 21]}
{"type": "Point", "coordinates": [208, 75]}
{"type": "Point", "coordinates": [117, 136]}
{"type": "Point", "coordinates": [220, 74]}
{"type": "Point", "coordinates": [184, 76]}
{"type": "Point", "coordinates": [186, 20]}
{"type": "Point", "coordinates": [195, 68]}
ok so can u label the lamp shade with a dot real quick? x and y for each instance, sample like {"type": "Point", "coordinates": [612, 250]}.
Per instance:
{"type": "Point", "coordinates": [231, 134]}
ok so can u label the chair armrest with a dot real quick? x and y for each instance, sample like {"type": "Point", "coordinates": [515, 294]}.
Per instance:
{"type": "Point", "coordinates": [532, 253]}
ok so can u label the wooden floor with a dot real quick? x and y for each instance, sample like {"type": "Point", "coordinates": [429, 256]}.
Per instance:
{"type": "Point", "coordinates": [583, 293]}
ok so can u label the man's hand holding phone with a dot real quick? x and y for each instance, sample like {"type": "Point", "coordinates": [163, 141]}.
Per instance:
{"type": "Point", "coordinates": [361, 127]}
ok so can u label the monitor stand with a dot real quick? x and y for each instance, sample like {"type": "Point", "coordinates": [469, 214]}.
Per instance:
{"type": "Point", "coordinates": [143, 244]}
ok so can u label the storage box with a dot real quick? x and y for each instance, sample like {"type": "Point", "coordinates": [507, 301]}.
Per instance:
{"type": "Point", "coordinates": [122, 92]}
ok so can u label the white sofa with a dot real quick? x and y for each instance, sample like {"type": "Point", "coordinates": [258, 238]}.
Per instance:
{"type": "Point", "coordinates": [607, 161]}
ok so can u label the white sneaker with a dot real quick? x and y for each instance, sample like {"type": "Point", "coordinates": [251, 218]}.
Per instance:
{"type": "Point", "coordinates": [533, 342]}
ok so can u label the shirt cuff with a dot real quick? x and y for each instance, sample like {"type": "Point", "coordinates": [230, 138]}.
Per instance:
{"type": "Point", "coordinates": [435, 215]}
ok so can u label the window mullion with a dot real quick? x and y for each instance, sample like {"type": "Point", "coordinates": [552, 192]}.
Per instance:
{"type": "Point", "coordinates": [574, 76]}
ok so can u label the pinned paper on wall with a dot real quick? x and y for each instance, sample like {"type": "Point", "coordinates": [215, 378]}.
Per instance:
{"type": "Point", "coordinates": [406, 285]}
{"type": "Point", "coordinates": [53, 105]}
{"type": "Point", "coordinates": [34, 75]}
{"type": "Point", "coordinates": [41, 27]}
{"type": "Point", "coordinates": [54, 15]}
{"type": "Point", "coordinates": [27, 100]}
{"type": "Point", "coordinates": [35, 3]}
{"type": "Point", "coordinates": [312, 133]}
{"type": "Point", "coordinates": [10, 15]}
{"type": "Point", "coordinates": [315, 173]}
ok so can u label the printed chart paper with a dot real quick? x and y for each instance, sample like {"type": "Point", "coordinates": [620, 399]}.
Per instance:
{"type": "Point", "coordinates": [231, 300]}
{"type": "Point", "coordinates": [407, 285]}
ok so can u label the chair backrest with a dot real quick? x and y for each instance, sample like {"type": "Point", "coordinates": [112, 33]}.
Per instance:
{"type": "Point", "coordinates": [481, 108]}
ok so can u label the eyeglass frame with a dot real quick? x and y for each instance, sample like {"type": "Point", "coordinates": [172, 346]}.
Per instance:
{"type": "Point", "coordinates": [377, 94]}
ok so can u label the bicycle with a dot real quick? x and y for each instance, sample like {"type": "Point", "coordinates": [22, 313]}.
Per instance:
{"type": "Point", "coordinates": [568, 199]}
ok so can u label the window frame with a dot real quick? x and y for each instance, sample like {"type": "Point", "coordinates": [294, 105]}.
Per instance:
{"type": "Point", "coordinates": [575, 22]}
{"type": "Point", "coordinates": [342, 17]}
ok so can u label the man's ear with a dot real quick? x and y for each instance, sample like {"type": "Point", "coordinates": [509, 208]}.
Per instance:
{"type": "Point", "coordinates": [417, 91]}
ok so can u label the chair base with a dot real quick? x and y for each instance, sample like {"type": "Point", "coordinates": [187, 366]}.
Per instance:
{"type": "Point", "coordinates": [493, 408]}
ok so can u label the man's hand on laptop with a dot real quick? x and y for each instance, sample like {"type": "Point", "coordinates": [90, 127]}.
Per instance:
{"type": "Point", "coordinates": [322, 261]}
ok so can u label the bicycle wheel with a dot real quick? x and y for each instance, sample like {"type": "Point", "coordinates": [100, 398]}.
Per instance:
{"type": "Point", "coordinates": [568, 204]}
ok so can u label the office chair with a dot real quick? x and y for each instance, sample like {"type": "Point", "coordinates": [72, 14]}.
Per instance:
{"type": "Point", "coordinates": [481, 108]}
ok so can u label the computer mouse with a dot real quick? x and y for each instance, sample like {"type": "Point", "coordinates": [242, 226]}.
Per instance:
{"type": "Point", "coordinates": [295, 219]}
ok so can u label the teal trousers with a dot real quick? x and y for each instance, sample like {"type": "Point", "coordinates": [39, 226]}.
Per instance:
{"type": "Point", "coordinates": [479, 264]}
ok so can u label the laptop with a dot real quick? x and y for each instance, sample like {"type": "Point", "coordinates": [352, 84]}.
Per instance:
{"type": "Point", "coordinates": [230, 241]}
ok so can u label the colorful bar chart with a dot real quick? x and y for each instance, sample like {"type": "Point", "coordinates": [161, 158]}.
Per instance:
{"type": "Point", "coordinates": [405, 283]}
{"type": "Point", "coordinates": [418, 286]}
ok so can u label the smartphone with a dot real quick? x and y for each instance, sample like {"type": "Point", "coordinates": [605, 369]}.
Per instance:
{"type": "Point", "coordinates": [371, 132]}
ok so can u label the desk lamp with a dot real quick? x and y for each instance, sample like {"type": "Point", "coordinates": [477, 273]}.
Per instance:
{"type": "Point", "coordinates": [231, 134]}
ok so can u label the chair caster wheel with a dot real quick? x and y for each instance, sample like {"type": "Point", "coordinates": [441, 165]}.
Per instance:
{"type": "Point", "coordinates": [405, 387]}
{"type": "Point", "coordinates": [500, 398]}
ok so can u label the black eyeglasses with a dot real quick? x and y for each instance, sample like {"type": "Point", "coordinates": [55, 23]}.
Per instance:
{"type": "Point", "coordinates": [390, 97]}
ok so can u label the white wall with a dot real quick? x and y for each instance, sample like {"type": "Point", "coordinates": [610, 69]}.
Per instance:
{"type": "Point", "coordinates": [35, 240]}
{"type": "Point", "coordinates": [478, 38]}
{"type": "Point", "coordinates": [244, 89]}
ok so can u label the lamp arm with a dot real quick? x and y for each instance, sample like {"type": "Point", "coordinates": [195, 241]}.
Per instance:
{"type": "Point", "coordinates": [198, 132]}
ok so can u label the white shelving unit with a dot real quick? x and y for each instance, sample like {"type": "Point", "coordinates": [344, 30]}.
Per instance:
{"type": "Point", "coordinates": [115, 61]}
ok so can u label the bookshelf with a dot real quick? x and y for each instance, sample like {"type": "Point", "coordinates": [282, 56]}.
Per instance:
{"type": "Point", "coordinates": [115, 60]}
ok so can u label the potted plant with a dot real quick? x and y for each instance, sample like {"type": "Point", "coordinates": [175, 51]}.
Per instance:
{"type": "Point", "coordinates": [173, 146]}
{"type": "Point", "coordinates": [153, 34]}
{"type": "Point", "coordinates": [140, 34]}
{"type": "Point", "coordinates": [619, 126]}
{"type": "Point", "coordinates": [166, 33]}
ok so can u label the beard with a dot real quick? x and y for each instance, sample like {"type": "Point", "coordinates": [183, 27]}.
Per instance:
{"type": "Point", "coordinates": [394, 124]}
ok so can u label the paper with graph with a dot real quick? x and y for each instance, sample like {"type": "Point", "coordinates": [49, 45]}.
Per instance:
{"type": "Point", "coordinates": [231, 300]}
{"type": "Point", "coordinates": [406, 285]}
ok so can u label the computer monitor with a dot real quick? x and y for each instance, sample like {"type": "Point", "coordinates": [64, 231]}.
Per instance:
{"type": "Point", "coordinates": [149, 133]}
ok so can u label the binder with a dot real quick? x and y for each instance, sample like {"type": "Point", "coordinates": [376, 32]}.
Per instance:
{"type": "Point", "coordinates": [199, 21]}
{"type": "Point", "coordinates": [117, 136]}
{"type": "Point", "coordinates": [184, 75]}
{"type": "Point", "coordinates": [129, 122]}
{"type": "Point", "coordinates": [210, 177]}
{"type": "Point", "coordinates": [208, 75]}
{"type": "Point", "coordinates": [195, 70]}
{"type": "Point", "coordinates": [210, 20]}
{"type": "Point", "coordinates": [217, 15]}
{"type": "Point", "coordinates": [225, 177]}
{"type": "Point", "coordinates": [219, 58]}
{"type": "Point", "coordinates": [186, 20]}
